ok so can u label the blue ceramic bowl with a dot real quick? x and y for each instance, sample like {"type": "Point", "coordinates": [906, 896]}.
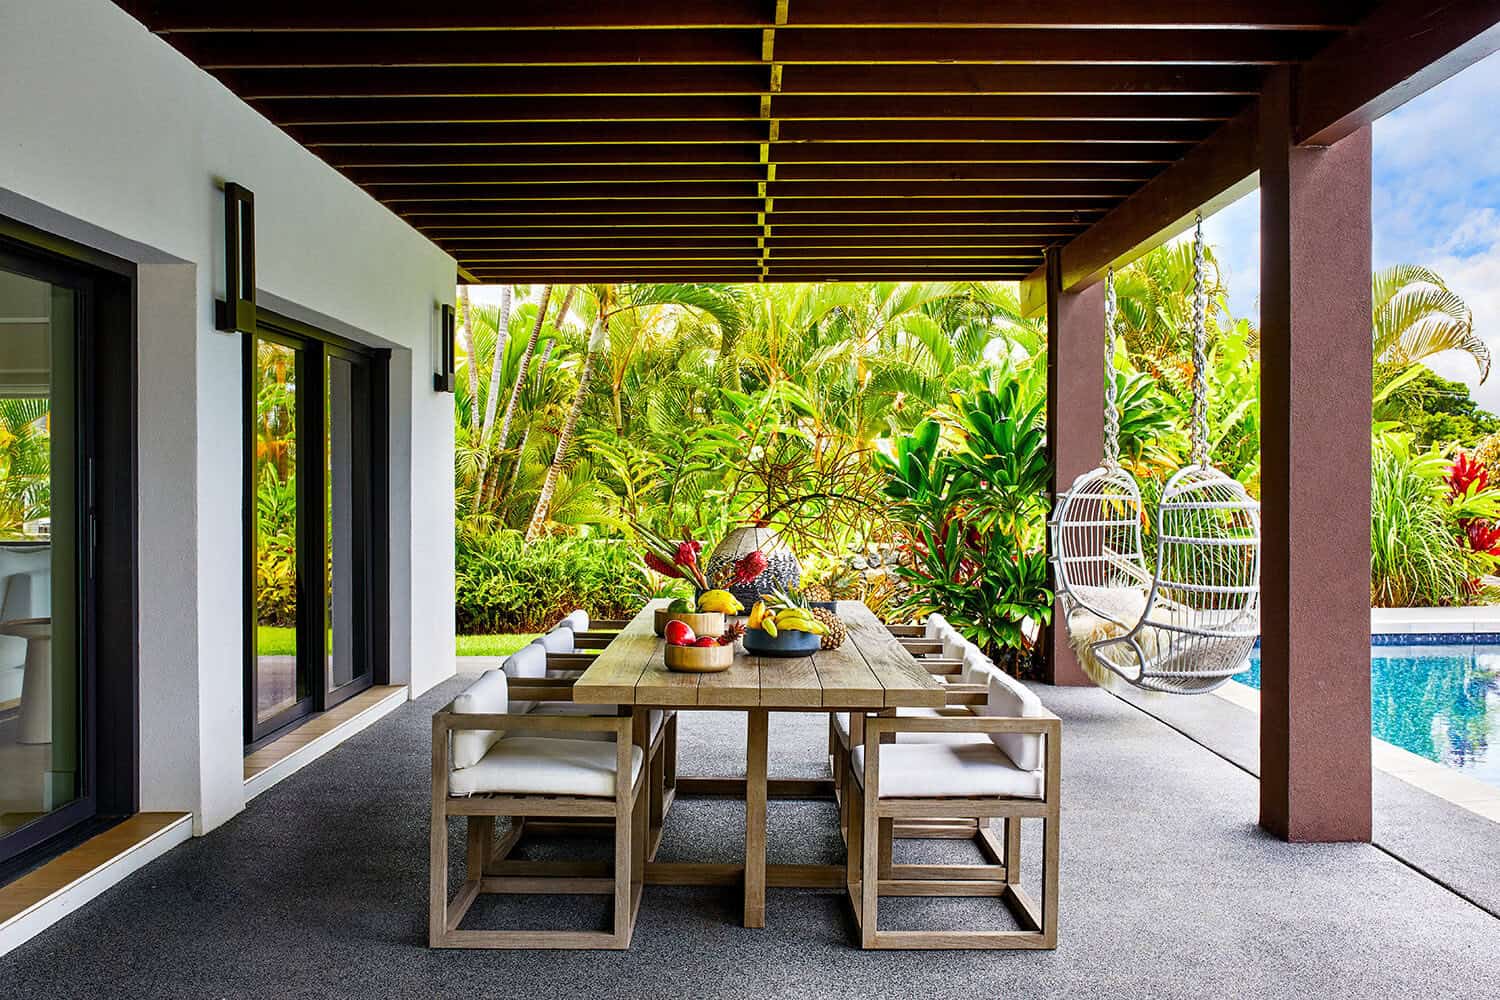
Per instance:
{"type": "Point", "coordinates": [788, 642]}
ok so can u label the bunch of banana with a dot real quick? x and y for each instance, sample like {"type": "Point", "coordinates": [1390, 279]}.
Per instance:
{"type": "Point", "coordinates": [721, 601]}
{"type": "Point", "coordinates": [772, 619]}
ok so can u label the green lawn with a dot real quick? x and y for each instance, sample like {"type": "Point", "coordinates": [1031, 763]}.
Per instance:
{"type": "Point", "coordinates": [491, 645]}
{"type": "Point", "coordinates": [274, 641]}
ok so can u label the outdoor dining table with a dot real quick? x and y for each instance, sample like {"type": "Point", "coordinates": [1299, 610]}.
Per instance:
{"type": "Point", "coordinates": [871, 673]}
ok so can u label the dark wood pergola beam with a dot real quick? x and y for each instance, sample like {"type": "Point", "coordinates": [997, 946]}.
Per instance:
{"type": "Point", "coordinates": [728, 47]}
{"type": "Point", "coordinates": [856, 230]}
{"type": "Point", "coordinates": [788, 107]}
{"type": "Point", "coordinates": [1405, 48]}
{"type": "Point", "coordinates": [172, 16]}
{"type": "Point", "coordinates": [1402, 49]}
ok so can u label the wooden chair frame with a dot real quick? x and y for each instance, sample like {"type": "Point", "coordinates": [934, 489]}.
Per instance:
{"type": "Point", "coordinates": [486, 867]}
{"type": "Point", "coordinates": [871, 873]}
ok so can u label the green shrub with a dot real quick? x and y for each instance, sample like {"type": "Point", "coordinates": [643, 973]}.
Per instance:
{"type": "Point", "coordinates": [506, 584]}
{"type": "Point", "coordinates": [1415, 556]}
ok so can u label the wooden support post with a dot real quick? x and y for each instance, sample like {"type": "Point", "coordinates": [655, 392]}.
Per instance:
{"type": "Point", "coordinates": [1075, 418]}
{"type": "Point", "coordinates": [1315, 479]}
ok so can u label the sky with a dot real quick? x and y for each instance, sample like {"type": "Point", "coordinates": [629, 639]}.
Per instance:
{"type": "Point", "coordinates": [1436, 202]}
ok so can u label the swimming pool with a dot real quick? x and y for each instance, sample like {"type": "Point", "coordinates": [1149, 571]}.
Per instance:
{"type": "Point", "coordinates": [1437, 696]}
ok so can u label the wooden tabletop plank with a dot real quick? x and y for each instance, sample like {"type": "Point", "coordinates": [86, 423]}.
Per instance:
{"type": "Point", "coordinates": [846, 679]}
{"type": "Point", "coordinates": [906, 682]}
{"type": "Point", "coordinates": [790, 682]}
{"type": "Point", "coordinates": [737, 686]}
{"type": "Point", "coordinates": [612, 678]}
{"type": "Point", "coordinates": [662, 687]}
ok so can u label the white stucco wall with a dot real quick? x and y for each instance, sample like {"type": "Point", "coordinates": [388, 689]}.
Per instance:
{"type": "Point", "coordinates": [111, 138]}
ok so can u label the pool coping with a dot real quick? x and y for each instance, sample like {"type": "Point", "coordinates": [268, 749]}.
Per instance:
{"type": "Point", "coordinates": [1419, 772]}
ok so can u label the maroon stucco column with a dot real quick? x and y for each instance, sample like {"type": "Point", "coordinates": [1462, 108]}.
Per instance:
{"type": "Point", "coordinates": [1075, 418]}
{"type": "Point", "coordinates": [1315, 481]}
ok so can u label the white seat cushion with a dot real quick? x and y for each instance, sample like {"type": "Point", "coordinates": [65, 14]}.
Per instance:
{"type": "Point", "coordinates": [489, 695]}
{"type": "Point", "coordinates": [1010, 698]}
{"type": "Point", "coordinates": [577, 620]}
{"type": "Point", "coordinates": [542, 765]}
{"type": "Point", "coordinates": [948, 771]}
{"type": "Point", "coordinates": [955, 646]}
{"type": "Point", "coordinates": [936, 625]}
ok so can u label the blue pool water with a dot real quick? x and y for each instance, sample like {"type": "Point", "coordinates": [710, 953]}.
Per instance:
{"type": "Point", "coordinates": [1440, 699]}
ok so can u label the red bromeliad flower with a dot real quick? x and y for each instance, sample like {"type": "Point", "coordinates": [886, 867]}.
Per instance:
{"type": "Point", "coordinates": [1466, 472]}
{"type": "Point", "coordinates": [1483, 536]}
{"type": "Point", "coordinates": [674, 559]}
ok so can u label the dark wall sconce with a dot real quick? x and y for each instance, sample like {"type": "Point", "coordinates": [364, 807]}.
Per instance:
{"type": "Point", "coordinates": [236, 312]}
{"type": "Point", "coordinates": [442, 379]}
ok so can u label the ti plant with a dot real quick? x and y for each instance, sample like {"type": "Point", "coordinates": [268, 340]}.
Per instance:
{"type": "Point", "coordinates": [976, 513]}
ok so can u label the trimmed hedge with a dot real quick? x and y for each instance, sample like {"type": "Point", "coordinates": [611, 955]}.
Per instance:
{"type": "Point", "coordinates": [506, 584]}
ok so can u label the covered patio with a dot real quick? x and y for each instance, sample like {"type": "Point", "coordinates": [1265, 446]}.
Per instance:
{"type": "Point", "coordinates": [1168, 890]}
{"type": "Point", "coordinates": [823, 140]}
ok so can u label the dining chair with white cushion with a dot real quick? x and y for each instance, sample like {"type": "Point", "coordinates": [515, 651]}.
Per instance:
{"type": "Point", "coordinates": [1002, 760]}
{"type": "Point", "coordinates": [489, 762]}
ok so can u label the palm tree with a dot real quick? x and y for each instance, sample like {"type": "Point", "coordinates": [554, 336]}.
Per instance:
{"type": "Point", "coordinates": [1416, 315]}
{"type": "Point", "coordinates": [598, 341]}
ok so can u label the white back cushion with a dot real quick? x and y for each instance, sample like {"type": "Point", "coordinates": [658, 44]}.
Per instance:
{"type": "Point", "coordinates": [490, 695]}
{"type": "Point", "coordinates": [976, 666]}
{"type": "Point", "coordinates": [936, 623]}
{"type": "Point", "coordinates": [1012, 699]}
{"type": "Point", "coordinates": [559, 640]}
{"type": "Point", "coordinates": [577, 620]}
{"type": "Point", "coordinates": [955, 646]}
{"type": "Point", "coordinates": [527, 662]}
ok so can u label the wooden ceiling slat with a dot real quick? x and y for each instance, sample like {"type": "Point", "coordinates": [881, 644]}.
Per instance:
{"type": "Point", "coordinates": [998, 208]}
{"type": "Point", "coordinates": [464, 15]}
{"type": "Point", "coordinates": [833, 177]}
{"type": "Point", "coordinates": [878, 154]}
{"type": "Point", "coordinates": [788, 107]}
{"type": "Point", "coordinates": [719, 46]}
{"type": "Point", "coordinates": [647, 81]}
{"type": "Point", "coordinates": [904, 130]}
{"type": "Point", "coordinates": [857, 227]}
{"type": "Point", "coordinates": [1082, 191]}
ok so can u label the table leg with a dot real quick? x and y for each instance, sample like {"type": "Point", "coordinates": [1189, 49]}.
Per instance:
{"type": "Point", "coordinates": [755, 818]}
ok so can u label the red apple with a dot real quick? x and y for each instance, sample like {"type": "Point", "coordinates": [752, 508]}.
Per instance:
{"type": "Point", "coordinates": [705, 641]}
{"type": "Point", "coordinates": [679, 634]}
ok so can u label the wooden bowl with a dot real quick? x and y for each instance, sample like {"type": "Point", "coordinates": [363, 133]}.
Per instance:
{"type": "Point", "coordinates": [700, 659]}
{"type": "Point", "coordinates": [702, 623]}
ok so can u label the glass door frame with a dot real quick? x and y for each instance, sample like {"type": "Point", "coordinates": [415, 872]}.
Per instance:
{"type": "Point", "coordinates": [104, 466]}
{"type": "Point", "coordinates": [314, 347]}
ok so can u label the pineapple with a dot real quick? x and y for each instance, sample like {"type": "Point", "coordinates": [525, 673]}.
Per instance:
{"type": "Point", "coordinates": [817, 592]}
{"type": "Point", "coordinates": [837, 632]}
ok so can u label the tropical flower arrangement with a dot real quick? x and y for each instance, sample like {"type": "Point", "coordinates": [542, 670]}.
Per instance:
{"type": "Point", "coordinates": [682, 560]}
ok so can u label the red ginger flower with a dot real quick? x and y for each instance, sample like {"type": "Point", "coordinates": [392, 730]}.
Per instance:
{"type": "Point", "coordinates": [749, 567]}
{"type": "Point", "coordinates": [661, 566]}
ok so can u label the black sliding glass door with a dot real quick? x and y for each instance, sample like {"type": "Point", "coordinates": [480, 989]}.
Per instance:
{"type": "Point", "coordinates": [314, 444]}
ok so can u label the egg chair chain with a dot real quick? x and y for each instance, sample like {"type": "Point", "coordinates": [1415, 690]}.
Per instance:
{"type": "Point", "coordinates": [1111, 409]}
{"type": "Point", "coordinates": [1199, 454]}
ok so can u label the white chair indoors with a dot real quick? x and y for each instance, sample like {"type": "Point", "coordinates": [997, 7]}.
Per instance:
{"type": "Point", "coordinates": [489, 762]}
{"type": "Point", "coordinates": [1002, 760]}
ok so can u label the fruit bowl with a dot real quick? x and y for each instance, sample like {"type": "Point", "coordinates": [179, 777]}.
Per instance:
{"type": "Point", "coordinates": [700, 659]}
{"type": "Point", "coordinates": [702, 623]}
{"type": "Point", "coordinates": [788, 642]}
